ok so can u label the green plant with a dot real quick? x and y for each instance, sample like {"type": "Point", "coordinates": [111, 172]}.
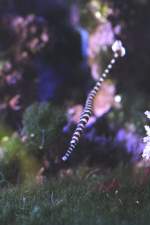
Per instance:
{"type": "Point", "coordinates": [42, 126]}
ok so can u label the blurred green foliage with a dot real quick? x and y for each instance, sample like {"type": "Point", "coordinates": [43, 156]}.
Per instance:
{"type": "Point", "coordinates": [78, 202]}
{"type": "Point", "coordinates": [42, 126]}
{"type": "Point", "coordinates": [12, 150]}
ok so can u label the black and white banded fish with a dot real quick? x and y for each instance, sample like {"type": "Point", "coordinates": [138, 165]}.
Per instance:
{"type": "Point", "coordinates": [119, 51]}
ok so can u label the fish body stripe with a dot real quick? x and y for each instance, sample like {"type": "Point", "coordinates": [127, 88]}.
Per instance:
{"type": "Point", "coordinates": [85, 116]}
{"type": "Point", "coordinates": [74, 138]}
{"type": "Point", "coordinates": [81, 125]}
{"type": "Point", "coordinates": [98, 85]}
{"type": "Point", "coordinates": [88, 104]}
{"type": "Point", "coordinates": [77, 134]}
{"type": "Point", "coordinates": [70, 151]}
{"type": "Point", "coordinates": [96, 88]}
{"type": "Point", "coordinates": [84, 120]}
{"type": "Point", "coordinates": [79, 129]}
{"type": "Point", "coordinates": [86, 113]}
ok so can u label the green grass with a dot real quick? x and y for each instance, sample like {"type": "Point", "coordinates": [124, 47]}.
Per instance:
{"type": "Point", "coordinates": [75, 202]}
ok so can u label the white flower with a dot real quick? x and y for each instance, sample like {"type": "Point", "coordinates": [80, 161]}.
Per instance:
{"type": "Point", "coordinates": [117, 47]}
{"type": "Point", "coordinates": [147, 129]}
{"type": "Point", "coordinates": [146, 139]}
{"type": "Point", "coordinates": [147, 113]}
{"type": "Point", "coordinates": [146, 151]}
